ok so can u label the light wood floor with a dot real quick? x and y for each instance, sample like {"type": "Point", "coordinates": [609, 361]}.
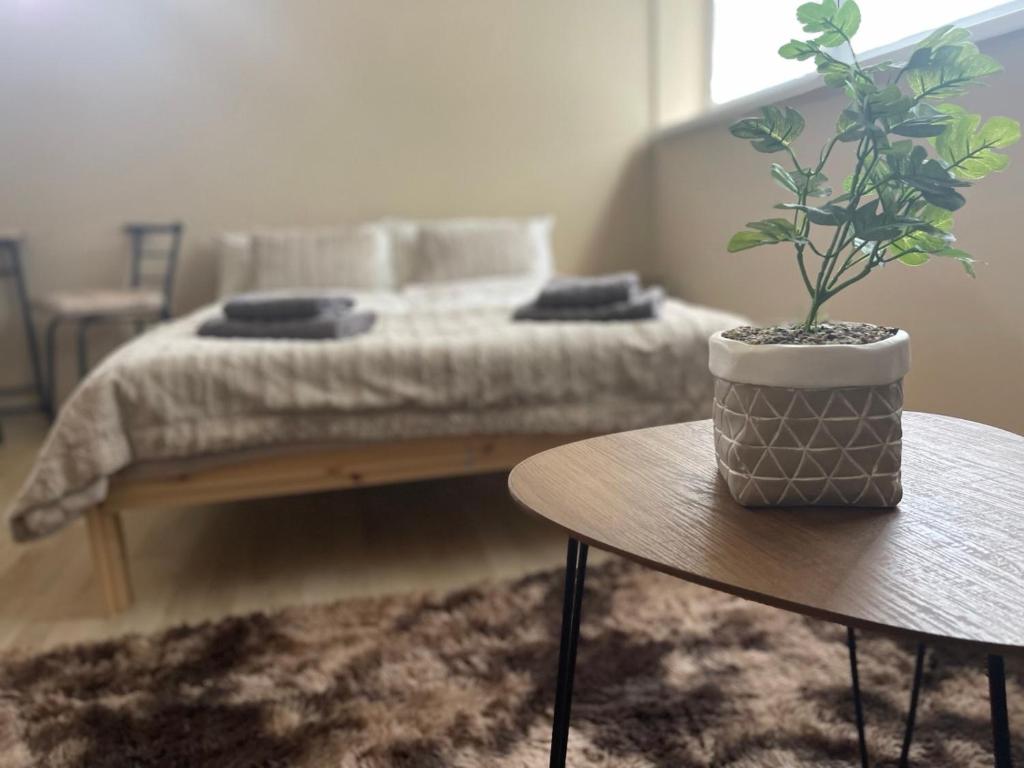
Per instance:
{"type": "Point", "coordinates": [194, 564]}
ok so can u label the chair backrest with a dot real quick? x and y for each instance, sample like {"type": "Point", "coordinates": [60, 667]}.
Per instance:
{"type": "Point", "coordinates": [10, 265]}
{"type": "Point", "coordinates": [10, 261]}
{"type": "Point", "coordinates": [156, 243]}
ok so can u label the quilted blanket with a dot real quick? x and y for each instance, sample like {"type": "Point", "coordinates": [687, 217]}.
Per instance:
{"type": "Point", "coordinates": [436, 363]}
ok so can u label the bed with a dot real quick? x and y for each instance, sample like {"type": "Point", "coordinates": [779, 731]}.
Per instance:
{"type": "Point", "coordinates": [445, 384]}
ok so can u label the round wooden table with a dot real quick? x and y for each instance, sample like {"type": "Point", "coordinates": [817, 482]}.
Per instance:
{"type": "Point", "coordinates": [946, 564]}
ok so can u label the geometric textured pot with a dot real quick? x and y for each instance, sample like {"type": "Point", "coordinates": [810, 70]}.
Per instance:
{"type": "Point", "coordinates": [799, 425]}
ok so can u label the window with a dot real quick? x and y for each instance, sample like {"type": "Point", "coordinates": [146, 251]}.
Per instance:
{"type": "Point", "coordinates": [747, 36]}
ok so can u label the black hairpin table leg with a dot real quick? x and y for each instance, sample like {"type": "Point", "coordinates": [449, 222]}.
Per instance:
{"type": "Point", "coordinates": [575, 571]}
{"type": "Point", "coordinates": [915, 691]}
{"type": "Point", "coordinates": [1000, 717]}
{"type": "Point", "coordinates": [858, 708]}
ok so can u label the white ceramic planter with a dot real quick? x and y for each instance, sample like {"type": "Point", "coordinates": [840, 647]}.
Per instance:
{"type": "Point", "coordinates": [810, 424]}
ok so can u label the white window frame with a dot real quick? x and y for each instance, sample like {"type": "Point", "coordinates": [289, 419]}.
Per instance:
{"type": "Point", "coordinates": [1000, 20]}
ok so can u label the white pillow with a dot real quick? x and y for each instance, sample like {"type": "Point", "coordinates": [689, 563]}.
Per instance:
{"type": "Point", "coordinates": [459, 249]}
{"type": "Point", "coordinates": [340, 258]}
{"type": "Point", "coordinates": [402, 235]}
{"type": "Point", "coordinates": [235, 263]}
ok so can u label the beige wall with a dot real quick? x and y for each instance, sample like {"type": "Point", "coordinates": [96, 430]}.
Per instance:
{"type": "Point", "coordinates": [238, 113]}
{"type": "Point", "coordinates": [681, 59]}
{"type": "Point", "coordinates": [968, 335]}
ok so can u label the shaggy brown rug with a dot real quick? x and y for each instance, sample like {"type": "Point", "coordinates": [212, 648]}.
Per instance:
{"type": "Point", "coordinates": [669, 675]}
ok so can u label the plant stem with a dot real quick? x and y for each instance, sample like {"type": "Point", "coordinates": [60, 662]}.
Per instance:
{"type": "Point", "coordinates": [803, 270]}
{"type": "Point", "coordinates": [843, 237]}
{"type": "Point", "coordinates": [812, 316]}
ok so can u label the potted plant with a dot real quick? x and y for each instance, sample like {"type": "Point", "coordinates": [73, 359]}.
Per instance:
{"type": "Point", "coordinates": [809, 413]}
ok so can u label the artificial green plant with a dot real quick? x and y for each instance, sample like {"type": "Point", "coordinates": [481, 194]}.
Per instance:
{"type": "Point", "coordinates": [915, 152]}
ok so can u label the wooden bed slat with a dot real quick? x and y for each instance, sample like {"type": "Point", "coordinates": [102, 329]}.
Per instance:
{"type": "Point", "coordinates": [262, 475]}
{"type": "Point", "coordinates": [327, 468]}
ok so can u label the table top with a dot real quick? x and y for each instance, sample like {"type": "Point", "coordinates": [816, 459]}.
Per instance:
{"type": "Point", "coordinates": [947, 563]}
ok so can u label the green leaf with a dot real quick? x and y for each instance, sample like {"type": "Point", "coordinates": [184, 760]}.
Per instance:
{"type": "Point", "coordinates": [799, 50]}
{"type": "Point", "coordinates": [914, 258]}
{"type": "Point", "coordinates": [886, 103]}
{"type": "Point", "coordinates": [764, 232]}
{"type": "Point", "coordinates": [947, 35]}
{"type": "Point", "coordinates": [802, 181]}
{"type": "Point", "coordinates": [932, 173]}
{"type": "Point", "coordinates": [785, 180]}
{"type": "Point", "coordinates": [927, 233]}
{"type": "Point", "coordinates": [922, 121]}
{"type": "Point", "coordinates": [870, 225]}
{"type": "Point", "coordinates": [939, 218]}
{"type": "Point", "coordinates": [828, 215]}
{"type": "Point", "coordinates": [898, 148]}
{"type": "Point", "coordinates": [849, 126]}
{"type": "Point", "coordinates": [848, 18]}
{"type": "Point", "coordinates": [949, 199]}
{"type": "Point", "coordinates": [927, 175]}
{"type": "Point", "coordinates": [836, 23]}
{"type": "Point", "coordinates": [771, 133]}
{"type": "Point", "coordinates": [866, 221]}
{"type": "Point", "coordinates": [882, 66]}
{"type": "Point", "coordinates": [814, 15]}
{"type": "Point", "coordinates": [965, 259]}
{"type": "Point", "coordinates": [879, 181]}
{"type": "Point", "coordinates": [835, 73]}
{"type": "Point", "coordinates": [745, 239]}
{"type": "Point", "coordinates": [969, 148]}
{"type": "Point", "coordinates": [859, 88]}
{"type": "Point", "coordinates": [813, 183]}
{"type": "Point", "coordinates": [919, 128]}
{"type": "Point", "coordinates": [948, 70]}
{"type": "Point", "coordinates": [911, 224]}
{"type": "Point", "coordinates": [919, 59]}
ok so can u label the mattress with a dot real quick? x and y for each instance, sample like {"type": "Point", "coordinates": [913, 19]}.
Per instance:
{"type": "Point", "coordinates": [440, 361]}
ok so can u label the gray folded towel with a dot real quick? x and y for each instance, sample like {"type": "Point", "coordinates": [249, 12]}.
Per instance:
{"type": "Point", "coordinates": [644, 305]}
{"type": "Point", "coordinates": [264, 306]}
{"type": "Point", "coordinates": [589, 291]}
{"type": "Point", "coordinates": [330, 324]}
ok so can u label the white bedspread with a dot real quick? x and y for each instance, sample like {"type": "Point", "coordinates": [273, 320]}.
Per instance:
{"type": "Point", "coordinates": [439, 361]}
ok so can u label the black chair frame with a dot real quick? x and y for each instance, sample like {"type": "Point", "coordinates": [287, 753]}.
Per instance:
{"type": "Point", "coordinates": [11, 268]}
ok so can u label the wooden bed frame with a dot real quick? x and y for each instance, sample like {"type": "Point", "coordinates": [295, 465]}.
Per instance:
{"type": "Point", "coordinates": [253, 475]}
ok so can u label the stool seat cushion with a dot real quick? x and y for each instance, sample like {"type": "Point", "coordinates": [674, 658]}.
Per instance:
{"type": "Point", "coordinates": [128, 302]}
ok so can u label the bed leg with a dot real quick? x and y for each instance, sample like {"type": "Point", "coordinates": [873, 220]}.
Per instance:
{"type": "Point", "coordinates": [110, 563]}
